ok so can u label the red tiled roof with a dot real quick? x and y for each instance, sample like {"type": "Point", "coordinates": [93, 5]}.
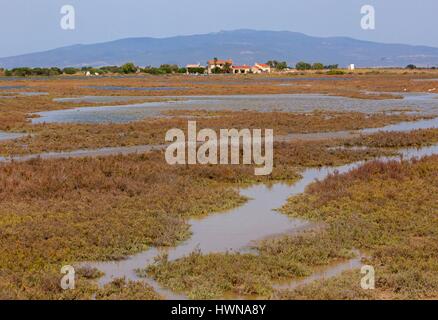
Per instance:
{"type": "Point", "coordinates": [263, 65]}
{"type": "Point", "coordinates": [242, 67]}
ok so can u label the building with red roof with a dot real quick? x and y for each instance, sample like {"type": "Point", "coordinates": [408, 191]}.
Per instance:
{"type": "Point", "coordinates": [242, 69]}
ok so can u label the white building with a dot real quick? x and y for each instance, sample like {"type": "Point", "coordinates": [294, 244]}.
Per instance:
{"type": "Point", "coordinates": [241, 69]}
{"type": "Point", "coordinates": [351, 67]}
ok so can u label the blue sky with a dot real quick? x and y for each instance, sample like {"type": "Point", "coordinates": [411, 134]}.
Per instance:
{"type": "Point", "coordinates": [29, 25]}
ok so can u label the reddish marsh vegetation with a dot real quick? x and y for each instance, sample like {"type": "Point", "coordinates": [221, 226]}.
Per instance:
{"type": "Point", "coordinates": [387, 210]}
{"type": "Point", "coordinates": [66, 137]}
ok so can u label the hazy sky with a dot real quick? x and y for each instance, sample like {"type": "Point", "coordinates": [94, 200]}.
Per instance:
{"type": "Point", "coordinates": [34, 25]}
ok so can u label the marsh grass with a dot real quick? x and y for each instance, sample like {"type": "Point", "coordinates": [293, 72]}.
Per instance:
{"type": "Point", "coordinates": [67, 137]}
{"type": "Point", "coordinates": [416, 138]}
{"type": "Point", "coordinates": [241, 275]}
{"type": "Point", "coordinates": [121, 289]}
{"type": "Point", "coordinates": [58, 212]}
{"type": "Point", "coordinates": [388, 210]}
{"type": "Point", "coordinates": [370, 80]}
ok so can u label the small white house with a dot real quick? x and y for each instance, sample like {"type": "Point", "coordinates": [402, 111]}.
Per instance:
{"type": "Point", "coordinates": [351, 67]}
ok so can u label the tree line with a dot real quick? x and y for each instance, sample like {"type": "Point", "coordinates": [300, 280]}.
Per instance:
{"type": "Point", "coordinates": [127, 68]}
{"type": "Point", "coordinates": [130, 68]}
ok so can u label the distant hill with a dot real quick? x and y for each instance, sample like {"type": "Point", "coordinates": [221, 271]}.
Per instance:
{"type": "Point", "coordinates": [244, 46]}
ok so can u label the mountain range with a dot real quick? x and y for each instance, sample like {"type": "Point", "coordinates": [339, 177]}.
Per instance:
{"type": "Point", "coordinates": [243, 46]}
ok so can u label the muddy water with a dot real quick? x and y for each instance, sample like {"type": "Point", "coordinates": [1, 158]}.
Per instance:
{"type": "Point", "coordinates": [237, 229]}
{"type": "Point", "coordinates": [424, 103]}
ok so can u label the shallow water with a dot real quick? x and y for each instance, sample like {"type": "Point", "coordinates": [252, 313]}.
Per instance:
{"type": "Point", "coordinates": [33, 93]}
{"type": "Point", "coordinates": [11, 87]}
{"type": "Point", "coordinates": [97, 99]}
{"type": "Point", "coordinates": [425, 103]}
{"type": "Point", "coordinates": [233, 230]}
{"type": "Point", "coordinates": [326, 273]}
{"type": "Point", "coordinates": [237, 229]}
{"type": "Point", "coordinates": [405, 126]}
{"type": "Point", "coordinates": [10, 135]}
{"type": "Point", "coordinates": [430, 79]}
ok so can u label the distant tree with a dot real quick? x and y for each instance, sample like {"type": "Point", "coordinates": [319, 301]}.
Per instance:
{"type": "Point", "coordinates": [317, 66]}
{"type": "Point", "coordinates": [411, 66]}
{"type": "Point", "coordinates": [152, 70]}
{"type": "Point", "coordinates": [271, 63]}
{"type": "Point", "coordinates": [216, 70]}
{"type": "Point", "coordinates": [69, 70]}
{"type": "Point", "coordinates": [303, 66]}
{"type": "Point", "coordinates": [111, 69]}
{"type": "Point", "coordinates": [199, 70]}
{"type": "Point", "coordinates": [281, 65]}
{"type": "Point", "coordinates": [333, 72]}
{"type": "Point", "coordinates": [331, 66]}
{"type": "Point", "coordinates": [128, 68]}
{"type": "Point", "coordinates": [226, 68]}
{"type": "Point", "coordinates": [21, 72]}
{"type": "Point", "coordinates": [8, 73]}
{"type": "Point", "coordinates": [277, 64]}
{"type": "Point", "coordinates": [169, 68]}
{"type": "Point", "coordinates": [55, 71]}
